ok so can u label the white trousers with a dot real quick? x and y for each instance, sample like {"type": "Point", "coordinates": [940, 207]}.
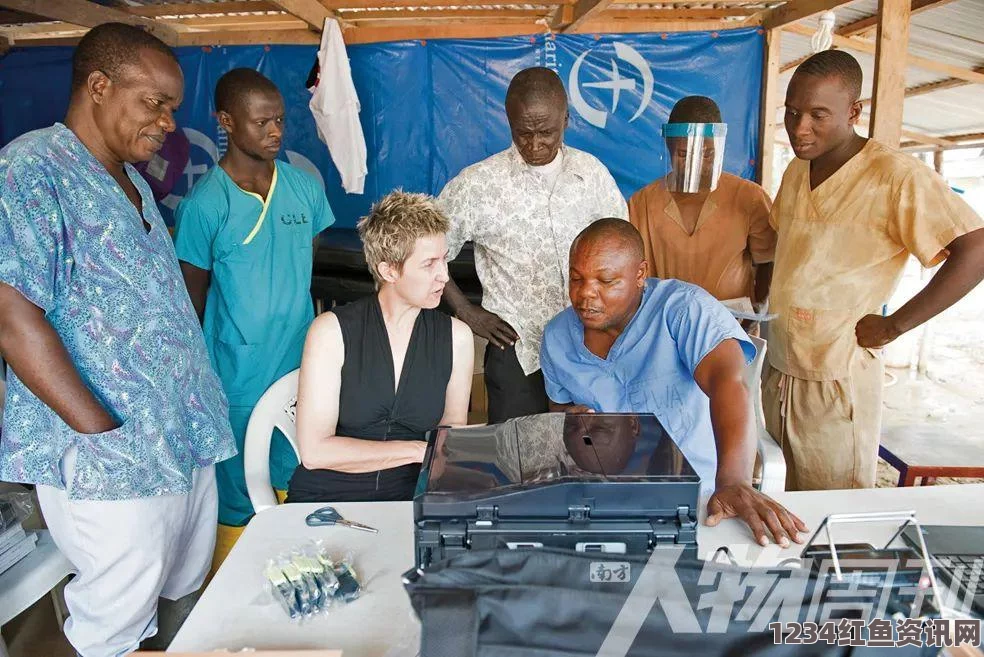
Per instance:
{"type": "Point", "coordinates": [128, 554]}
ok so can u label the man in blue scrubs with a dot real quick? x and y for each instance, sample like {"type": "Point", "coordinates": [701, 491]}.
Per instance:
{"type": "Point", "coordinates": [245, 241]}
{"type": "Point", "coordinates": [629, 343]}
{"type": "Point", "coordinates": [112, 411]}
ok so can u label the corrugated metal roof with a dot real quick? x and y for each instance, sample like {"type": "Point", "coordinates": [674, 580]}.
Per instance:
{"type": "Point", "coordinates": [950, 33]}
{"type": "Point", "coordinates": [949, 112]}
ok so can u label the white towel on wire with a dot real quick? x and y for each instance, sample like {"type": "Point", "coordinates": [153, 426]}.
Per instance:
{"type": "Point", "coordinates": [335, 107]}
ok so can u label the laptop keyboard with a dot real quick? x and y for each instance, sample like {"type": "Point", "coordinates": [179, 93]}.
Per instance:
{"type": "Point", "coordinates": [966, 569]}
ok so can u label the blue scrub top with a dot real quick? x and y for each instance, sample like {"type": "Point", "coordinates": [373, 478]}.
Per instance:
{"type": "Point", "coordinates": [73, 244]}
{"type": "Point", "coordinates": [260, 255]}
{"type": "Point", "coordinates": [650, 367]}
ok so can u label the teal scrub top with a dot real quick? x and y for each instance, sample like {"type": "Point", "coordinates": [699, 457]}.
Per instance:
{"type": "Point", "coordinates": [260, 256]}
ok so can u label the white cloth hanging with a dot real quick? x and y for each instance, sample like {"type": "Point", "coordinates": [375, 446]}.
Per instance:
{"type": "Point", "coordinates": [335, 107]}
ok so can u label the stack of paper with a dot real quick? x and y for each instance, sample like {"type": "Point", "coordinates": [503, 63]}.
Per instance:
{"type": "Point", "coordinates": [742, 308]}
{"type": "Point", "coordinates": [15, 543]}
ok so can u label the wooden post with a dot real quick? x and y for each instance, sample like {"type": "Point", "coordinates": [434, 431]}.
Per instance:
{"type": "Point", "coordinates": [90, 14]}
{"type": "Point", "coordinates": [938, 160]}
{"type": "Point", "coordinates": [767, 111]}
{"type": "Point", "coordinates": [890, 60]}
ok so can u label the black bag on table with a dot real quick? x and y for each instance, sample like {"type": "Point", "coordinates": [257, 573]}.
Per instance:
{"type": "Point", "coordinates": [546, 602]}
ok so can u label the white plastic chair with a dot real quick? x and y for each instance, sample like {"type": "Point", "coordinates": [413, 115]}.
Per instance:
{"type": "Point", "coordinates": [769, 451]}
{"type": "Point", "coordinates": [275, 410]}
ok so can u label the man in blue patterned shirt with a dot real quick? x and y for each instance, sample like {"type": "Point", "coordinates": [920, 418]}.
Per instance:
{"type": "Point", "coordinates": [112, 408]}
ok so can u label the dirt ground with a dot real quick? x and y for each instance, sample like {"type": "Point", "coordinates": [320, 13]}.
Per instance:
{"type": "Point", "coordinates": [950, 394]}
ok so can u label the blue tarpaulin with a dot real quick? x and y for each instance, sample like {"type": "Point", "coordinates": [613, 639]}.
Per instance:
{"type": "Point", "coordinates": [431, 108]}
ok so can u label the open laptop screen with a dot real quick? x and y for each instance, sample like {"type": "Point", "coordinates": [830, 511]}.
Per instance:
{"type": "Point", "coordinates": [553, 447]}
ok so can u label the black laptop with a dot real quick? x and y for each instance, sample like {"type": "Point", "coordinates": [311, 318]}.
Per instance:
{"type": "Point", "coordinates": [958, 557]}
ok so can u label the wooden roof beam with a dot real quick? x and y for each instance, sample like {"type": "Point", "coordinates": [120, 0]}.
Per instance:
{"type": "Point", "coordinates": [249, 37]}
{"type": "Point", "coordinates": [203, 8]}
{"type": "Point", "coordinates": [678, 14]}
{"type": "Point", "coordinates": [941, 85]}
{"type": "Point", "coordinates": [797, 10]}
{"type": "Point", "coordinates": [867, 25]}
{"type": "Point", "coordinates": [972, 136]}
{"type": "Point", "coordinates": [490, 15]}
{"type": "Point", "coordinates": [604, 25]}
{"type": "Point", "coordinates": [716, 3]}
{"type": "Point", "coordinates": [88, 14]}
{"type": "Point", "coordinates": [793, 64]}
{"type": "Point", "coordinates": [586, 10]}
{"type": "Point", "coordinates": [561, 16]}
{"type": "Point", "coordinates": [398, 4]}
{"type": "Point", "coordinates": [859, 45]}
{"type": "Point", "coordinates": [215, 23]}
{"type": "Point", "coordinates": [928, 88]}
{"type": "Point", "coordinates": [311, 12]}
{"type": "Point", "coordinates": [451, 31]}
{"type": "Point", "coordinates": [926, 139]}
{"type": "Point", "coordinates": [18, 17]}
{"type": "Point", "coordinates": [911, 135]}
{"type": "Point", "coordinates": [971, 140]}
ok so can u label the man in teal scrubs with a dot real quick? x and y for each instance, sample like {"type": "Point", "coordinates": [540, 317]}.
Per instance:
{"type": "Point", "coordinates": [245, 237]}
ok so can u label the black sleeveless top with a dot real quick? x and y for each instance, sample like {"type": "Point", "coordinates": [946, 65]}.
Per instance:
{"type": "Point", "coordinates": [368, 407]}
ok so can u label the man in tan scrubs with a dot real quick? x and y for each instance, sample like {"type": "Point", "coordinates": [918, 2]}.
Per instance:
{"type": "Point", "coordinates": [849, 213]}
{"type": "Point", "coordinates": [718, 239]}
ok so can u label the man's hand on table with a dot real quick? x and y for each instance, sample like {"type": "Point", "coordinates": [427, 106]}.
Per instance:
{"type": "Point", "coordinates": [489, 326]}
{"type": "Point", "coordinates": [763, 515]}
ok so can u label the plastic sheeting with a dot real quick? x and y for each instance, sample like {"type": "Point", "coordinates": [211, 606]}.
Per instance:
{"type": "Point", "coordinates": [431, 108]}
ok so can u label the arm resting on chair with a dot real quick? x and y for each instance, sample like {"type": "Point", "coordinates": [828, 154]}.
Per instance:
{"type": "Point", "coordinates": [317, 412]}
{"type": "Point", "coordinates": [773, 464]}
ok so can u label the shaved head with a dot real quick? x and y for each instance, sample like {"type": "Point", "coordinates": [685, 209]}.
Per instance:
{"type": "Point", "coordinates": [536, 85]}
{"type": "Point", "coordinates": [822, 105]}
{"type": "Point", "coordinates": [111, 48]}
{"type": "Point", "coordinates": [607, 277]}
{"type": "Point", "coordinates": [695, 109]}
{"type": "Point", "coordinates": [233, 88]}
{"type": "Point", "coordinates": [536, 108]}
{"type": "Point", "coordinates": [834, 64]}
{"type": "Point", "coordinates": [615, 232]}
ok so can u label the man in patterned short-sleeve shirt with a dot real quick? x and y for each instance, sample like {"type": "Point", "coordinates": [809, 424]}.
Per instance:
{"type": "Point", "coordinates": [522, 208]}
{"type": "Point", "coordinates": [112, 408]}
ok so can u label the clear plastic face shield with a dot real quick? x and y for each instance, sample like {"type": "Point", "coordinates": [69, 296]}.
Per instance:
{"type": "Point", "coordinates": [695, 154]}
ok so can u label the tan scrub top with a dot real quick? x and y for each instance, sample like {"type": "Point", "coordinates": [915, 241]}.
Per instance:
{"type": "Point", "coordinates": [842, 248]}
{"type": "Point", "coordinates": [731, 236]}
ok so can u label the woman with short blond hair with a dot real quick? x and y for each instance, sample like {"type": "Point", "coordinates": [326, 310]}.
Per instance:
{"type": "Point", "coordinates": [380, 372]}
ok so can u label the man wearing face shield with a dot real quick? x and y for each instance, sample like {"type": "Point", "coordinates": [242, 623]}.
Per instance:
{"type": "Point", "coordinates": [699, 224]}
{"type": "Point", "coordinates": [244, 238]}
{"type": "Point", "coordinates": [522, 208]}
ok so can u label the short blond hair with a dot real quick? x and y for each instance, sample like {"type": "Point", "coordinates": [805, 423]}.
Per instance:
{"type": "Point", "coordinates": [394, 224]}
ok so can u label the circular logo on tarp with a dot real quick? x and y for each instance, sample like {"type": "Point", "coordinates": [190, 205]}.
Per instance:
{"type": "Point", "coordinates": [616, 83]}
